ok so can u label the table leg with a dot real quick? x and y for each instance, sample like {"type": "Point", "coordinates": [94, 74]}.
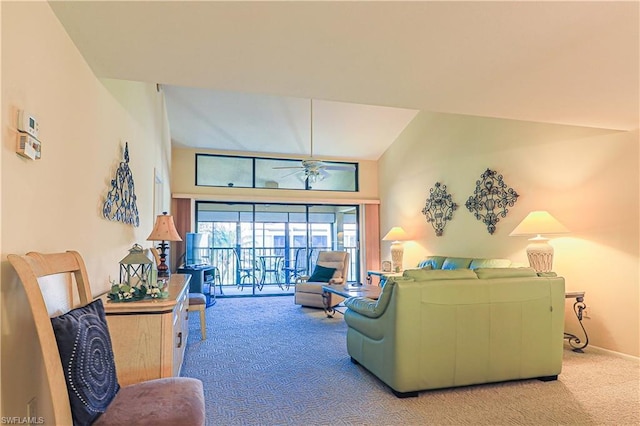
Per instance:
{"type": "Point", "coordinates": [326, 301]}
{"type": "Point", "coordinates": [574, 341]}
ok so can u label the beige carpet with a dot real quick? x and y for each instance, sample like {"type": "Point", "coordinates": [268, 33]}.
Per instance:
{"type": "Point", "coordinates": [269, 362]}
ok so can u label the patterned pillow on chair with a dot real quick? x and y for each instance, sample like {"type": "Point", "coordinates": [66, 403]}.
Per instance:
{"type": "Point", "coordinates": [87, 361]}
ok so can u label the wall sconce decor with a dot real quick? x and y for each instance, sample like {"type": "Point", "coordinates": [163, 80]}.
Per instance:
{"type": "Point", "coordinates": [439, 208]}
{"type": "Point", "coordinates": [120, 204]}
{"type": "Point", "coordinates": [491, 198]}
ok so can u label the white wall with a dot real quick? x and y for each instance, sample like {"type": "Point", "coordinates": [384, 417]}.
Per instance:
{"type": "Point", "coordinates": [587, 178]}
{"type": "Point", "coordinates": [54, 204]}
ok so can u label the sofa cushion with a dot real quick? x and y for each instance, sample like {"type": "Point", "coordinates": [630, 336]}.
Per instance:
{"type": "Point", "coordinates": [457, 263]}
{"type": "Point", "coordinates": [489, 263]}
{"type": "Point", "coordinates": [87, 359]}
{"type": "Point", "coordinates": [487, 273]}
{"type": "Point", "coordinates": [322, 274]}
{"type": "Point", "coordinates": [439, 274]}
{"type": "Point", "coordinates": [434, 261]}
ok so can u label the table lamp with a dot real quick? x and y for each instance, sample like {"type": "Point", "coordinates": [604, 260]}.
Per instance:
{"type": "Point", "coordinates": [396, 234]}
{"type": "Point", "coordinates": [539, 251]}
{"type": "Point", "coordinates": [164, 230]}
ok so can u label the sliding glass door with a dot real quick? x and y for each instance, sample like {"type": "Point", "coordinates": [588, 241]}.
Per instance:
{"type": "Point", "coordinates": [263, 248]}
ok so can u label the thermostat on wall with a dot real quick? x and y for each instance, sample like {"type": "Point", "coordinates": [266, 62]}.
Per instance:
{"type": "Point", "coordinates": [27, 123]}
{"type": "Point", "coordinates": [28, 146]}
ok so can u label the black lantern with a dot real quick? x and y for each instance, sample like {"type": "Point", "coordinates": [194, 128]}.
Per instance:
{"type": "Point", "coordinates": [135, 268]}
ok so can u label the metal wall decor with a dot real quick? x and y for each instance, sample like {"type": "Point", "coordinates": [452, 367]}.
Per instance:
{"type": "Point", "coordinates": [439, 208]}
{"type": "Point", "coordinates": [120, 204]}
{"type": "Point", "coordinates": [490, 200]}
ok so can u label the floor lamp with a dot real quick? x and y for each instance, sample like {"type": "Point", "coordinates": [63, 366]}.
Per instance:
{"type": "Point", "coordinates": [164, 230]}
{"type": "Point", "coordinates": [396, 234]}
{"type": "Point", "coordinates": [539, 251]}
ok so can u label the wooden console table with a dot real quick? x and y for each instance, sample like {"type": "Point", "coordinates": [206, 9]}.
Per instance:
{"type": "Point", "coordinates": [149, 336]}
{"type": "Point", "coordinates": [578, 307]}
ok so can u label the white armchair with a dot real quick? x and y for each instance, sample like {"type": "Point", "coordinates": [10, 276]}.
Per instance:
{"type": "Point", "coordinates": [309, 293]}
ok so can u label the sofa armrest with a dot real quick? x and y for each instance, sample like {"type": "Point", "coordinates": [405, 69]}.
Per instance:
{"type": "Point", "coordinates": [372, 308]}
{"type": "Point", "coordinates": [363, 306]}
{"type": "Point", "coordinates": [370, 327]}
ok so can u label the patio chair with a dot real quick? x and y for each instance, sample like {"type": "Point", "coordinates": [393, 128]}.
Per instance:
{"type": "Point", "coordinates": [298, 267]}
{"type": "Point", "coordinates": [246, 271]}
{"type": "Point", "coordinates": [308, 291]}
{"type": "Point", "coordinates": [93, 395]}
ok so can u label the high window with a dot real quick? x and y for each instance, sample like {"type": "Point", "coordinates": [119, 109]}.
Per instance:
{"type": "Point", "coordinates": [274, 173]}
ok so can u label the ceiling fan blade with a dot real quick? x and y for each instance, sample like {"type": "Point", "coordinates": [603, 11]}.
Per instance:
{"type": "Point", "coordinates": [292, 173]}
{"type": "Point", "coordinates": [346, 167]}
{"type": "Point", "coordinates": [287, 167]}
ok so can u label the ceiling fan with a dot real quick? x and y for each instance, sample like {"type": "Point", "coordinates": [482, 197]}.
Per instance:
{"type": "Point", "coordinates": [313, 170]}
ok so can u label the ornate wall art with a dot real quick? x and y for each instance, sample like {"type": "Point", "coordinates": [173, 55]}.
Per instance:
{"type": "Point", "coordinates": [120, 204]}
{"type": "Point", "coordinates": [490, 200]}
{"type": "Point", "coordinates": [439, 208]}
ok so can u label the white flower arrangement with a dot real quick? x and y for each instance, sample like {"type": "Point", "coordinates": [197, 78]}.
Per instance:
{"type": "Point", "coordinates": [158, 290]}
{"type": "Point", "coordinates": [122, 292]}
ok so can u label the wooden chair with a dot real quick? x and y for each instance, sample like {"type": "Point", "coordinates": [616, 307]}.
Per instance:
{"type": "Point", "coordinates": [197, 301]}
{"type": "Point", "coordinates": [49, 281]}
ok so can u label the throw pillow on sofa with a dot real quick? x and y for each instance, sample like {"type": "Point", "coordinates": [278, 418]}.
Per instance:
{"type": "Point", "coordinates": [424, 274]}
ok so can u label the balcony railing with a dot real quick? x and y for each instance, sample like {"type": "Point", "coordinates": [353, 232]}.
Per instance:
{"type": "Point", "coordinates": [262, 266]}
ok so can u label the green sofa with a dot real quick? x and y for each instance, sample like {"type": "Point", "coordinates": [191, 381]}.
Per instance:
{"type": "Point", "coordinates": [435, 329]}
{"type": "Point", "coordinates": [447, 262]}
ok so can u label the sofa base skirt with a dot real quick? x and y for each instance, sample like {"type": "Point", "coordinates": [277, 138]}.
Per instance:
{"type": "Point", "coordinates": [416, 393]}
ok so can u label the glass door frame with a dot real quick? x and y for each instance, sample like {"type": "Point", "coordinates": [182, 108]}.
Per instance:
{"type": "Point", "coordinates": [324, 229]}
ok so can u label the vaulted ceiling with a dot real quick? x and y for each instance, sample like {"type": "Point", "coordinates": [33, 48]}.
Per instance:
{"type": "Point", "coordinates": [239, 75]}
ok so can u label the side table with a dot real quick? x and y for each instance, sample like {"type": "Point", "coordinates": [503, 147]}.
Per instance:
{"type": "Point", "coordinates": [381, 275]}
{"type": "Point", "coordinates": [578, 307]}
{"type": "Point", "coordinates": [203, 280]}
{"type": "Point", "coordinates": [347, 291]}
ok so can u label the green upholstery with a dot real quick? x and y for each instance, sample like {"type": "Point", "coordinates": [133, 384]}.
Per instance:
{"type": "Point", "coordinates": [435, 332]}
{"type": "Point", "coordinates": [444, 262]}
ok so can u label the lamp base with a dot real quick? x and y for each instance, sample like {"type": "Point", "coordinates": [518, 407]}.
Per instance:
{"type": "Point", "coordinates": [163, 268]}
{"type": "Point", "coordinates": [397, 252]}
{"type": "Point", "coordinates": [540, 254]}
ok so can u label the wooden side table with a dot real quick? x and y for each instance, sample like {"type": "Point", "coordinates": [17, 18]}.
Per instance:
{"type": "Point", "coordinates": [578, 307]}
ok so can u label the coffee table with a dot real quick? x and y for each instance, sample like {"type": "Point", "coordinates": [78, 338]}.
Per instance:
{"type": "Point", "coordinates": [346, 291]}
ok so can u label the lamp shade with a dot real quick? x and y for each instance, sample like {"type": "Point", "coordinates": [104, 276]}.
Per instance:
{"type": "Point", "coordinates": [164, 229]}
{"type": "Point", "coordinates": [396, 234]}
{"type": "Point", "coordinates": [539, 222]}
